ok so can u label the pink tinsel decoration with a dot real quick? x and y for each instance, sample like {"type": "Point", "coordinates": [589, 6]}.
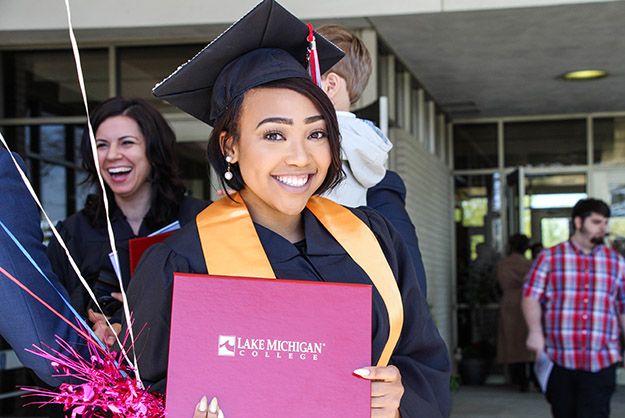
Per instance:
{"type": "Point", "coordinates": [107, 391]}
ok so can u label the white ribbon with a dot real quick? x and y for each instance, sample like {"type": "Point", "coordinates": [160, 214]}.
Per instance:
{"type": "Point", "coordinates": [94, 152]}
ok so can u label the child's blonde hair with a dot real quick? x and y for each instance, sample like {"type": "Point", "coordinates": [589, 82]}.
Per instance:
{"type": "Point", "coordinates": [355, 67]}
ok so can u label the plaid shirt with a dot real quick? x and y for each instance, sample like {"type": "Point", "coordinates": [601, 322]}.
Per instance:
{"type": "Point", "coordinates": [581, 296]}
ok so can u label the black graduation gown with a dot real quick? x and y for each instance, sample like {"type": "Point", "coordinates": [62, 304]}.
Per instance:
{"type": "Point", "coordinates": [90, 248]}
{"type": "Point", "coordinates": [389, 198]}
{"type": "Point", "coordinates": [421, 355]}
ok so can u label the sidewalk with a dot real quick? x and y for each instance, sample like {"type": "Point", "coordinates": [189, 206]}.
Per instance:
{"type": "Point", "coordinates": [505, 401]}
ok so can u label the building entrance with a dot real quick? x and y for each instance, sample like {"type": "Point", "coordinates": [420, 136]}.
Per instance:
{"type": "Point", "coordinates": [539, 203]}
{"type": "Point", "coordinates": [490, 208]}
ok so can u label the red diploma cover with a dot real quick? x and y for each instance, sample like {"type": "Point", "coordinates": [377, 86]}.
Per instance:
{"type": "Point", "coordinates": [137, 247]}
{"type": "Point", "coordinates": [269, 348]}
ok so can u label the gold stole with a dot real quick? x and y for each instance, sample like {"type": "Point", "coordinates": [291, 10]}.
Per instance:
{"type": "Point", "coordinates": [231, 247]}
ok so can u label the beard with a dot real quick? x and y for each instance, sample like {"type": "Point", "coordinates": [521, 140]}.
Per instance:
{"type": "Point", "coordinates": [596, 239]}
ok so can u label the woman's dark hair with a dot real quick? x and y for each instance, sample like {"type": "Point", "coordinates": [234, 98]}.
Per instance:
{"type": "Point", "coordinates": [160, 144]}
{"type": "Point", "coordinates": [519, 243]}
{"type": "Point", "coordinates": [229, 123]}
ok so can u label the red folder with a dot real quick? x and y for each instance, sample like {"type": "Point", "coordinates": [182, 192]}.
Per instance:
{"type": "Point", "coordinates": [269, 348]}
{"type": "Point", "coordinates": [137, 247]}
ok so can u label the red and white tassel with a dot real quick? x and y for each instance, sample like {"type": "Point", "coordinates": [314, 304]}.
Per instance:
{"type": "Point", "coordinates": [313, 57]}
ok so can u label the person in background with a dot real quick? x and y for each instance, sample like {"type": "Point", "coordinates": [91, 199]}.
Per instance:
{"type": "Point", "coordinates": [26, 321]}
{"type": "Point", "coordinates": [512, 333]}
{"type": "Point", "coordinates": [536, 248]}
{"type": "Point", "coordinates": [574, 306]}
{"type": "Point", "coordinates": [364, 148]}
{"type": "Point", "coordinates": [136, 157]}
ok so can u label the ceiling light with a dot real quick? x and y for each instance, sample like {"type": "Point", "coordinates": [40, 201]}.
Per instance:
{"type": "Point", "coordinates": [584, 75]}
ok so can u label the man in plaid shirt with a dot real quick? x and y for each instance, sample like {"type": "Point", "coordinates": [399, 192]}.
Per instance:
{"type": "Point", "coordinates": [574, 303]}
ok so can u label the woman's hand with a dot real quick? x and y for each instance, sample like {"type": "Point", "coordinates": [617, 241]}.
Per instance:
{"type": "Point", "coordinates": [386, 390]}
{"type": "Point", "coordinates": [205, 410]}
{"type": "Point", "coordinates": [101, 329]}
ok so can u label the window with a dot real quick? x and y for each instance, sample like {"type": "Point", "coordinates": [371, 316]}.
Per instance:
{"type": "Point", "coordinates": [478, 200]}
{"type": "Point", "coordinates": [609, 140]}
{"type": "Point", "coordinates": [475, 146]}
{"type": "Point", "coordinates": [140, 68]}
{"type": "Point", "coordinates": [51, 152]}
{"type": "Point", "coordinates": [44, 83]}
{"type": "Point", "coordinates": [38, 84]}
{"type": "Point", "coordinates": [545, 143]}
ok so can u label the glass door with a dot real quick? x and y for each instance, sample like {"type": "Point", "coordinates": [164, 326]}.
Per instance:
{"type": "Point", "coordinates": [538, 204]}
{"type": "Point", "coordinates": [514, 190]}
{"type": "Point", "coordinates": [548, 200]}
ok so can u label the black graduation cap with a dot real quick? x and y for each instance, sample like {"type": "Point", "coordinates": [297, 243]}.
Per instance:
{"type": "Point", "coordinates": [266, 44]}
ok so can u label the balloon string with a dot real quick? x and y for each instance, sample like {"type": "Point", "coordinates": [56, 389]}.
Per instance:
{"type": "Point", "coordinates": [61, 242]}
{"type": "Point", "coordinates": [94, 152]}
{"type": "Point", "coordinates": [91, 337]}
{"type": "Point", "coordinates": [69, 305]}
{"type": "Point", "coordinates": [44, 303]}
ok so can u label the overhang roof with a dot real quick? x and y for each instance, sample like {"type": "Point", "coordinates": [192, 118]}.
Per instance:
{"type": "Point", "coordinates": [507, 62]}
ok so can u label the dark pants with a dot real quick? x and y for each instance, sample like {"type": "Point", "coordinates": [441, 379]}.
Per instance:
{"type": "Point", "coordinates": [581, 394]}
{"type": "Point", "coordinates": [521, 374]}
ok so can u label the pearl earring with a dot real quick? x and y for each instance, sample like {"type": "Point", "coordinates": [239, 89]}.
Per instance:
{"type": "Point", "coordinates": [228, 174]}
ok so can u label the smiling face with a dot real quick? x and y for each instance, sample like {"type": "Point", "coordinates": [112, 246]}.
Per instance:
{"type": "Point", "coordinates": [122, 157]}
{"type": "Point", "coordinates": [283, 153]}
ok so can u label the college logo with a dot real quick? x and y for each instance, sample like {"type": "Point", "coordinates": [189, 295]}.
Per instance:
{"type": "Point", "coordinates": [226, 345]}
{"type": "Point", "coordinates": [232, 346]}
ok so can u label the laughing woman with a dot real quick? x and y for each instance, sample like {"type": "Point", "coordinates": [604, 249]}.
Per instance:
{"type": "Point", "coordinates": [275, 140]}
{"type": "Point", "coordinates": [135, 148]}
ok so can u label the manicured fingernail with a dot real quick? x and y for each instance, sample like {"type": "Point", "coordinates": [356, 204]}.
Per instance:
{"type": "Point", "coordinates": [203, 404]}
{"type": "Point", "coordinates": [220, 414]}
{"type": "Point", "coordinates": [362, 372]}
{"type": "Point", "coordinates": [213, 406]}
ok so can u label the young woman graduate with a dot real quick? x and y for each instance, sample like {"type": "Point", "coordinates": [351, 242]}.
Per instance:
{"type": "Point", "coordinates": [276, 142]}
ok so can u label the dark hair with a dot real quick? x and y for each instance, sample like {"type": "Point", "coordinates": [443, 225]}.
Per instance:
{"type": "Point", "coordinates": [160, 144]}
{"type": "Point", "coordinates": [229, 123]}
{"type": "Point", "coordinates": [519, 243]}
{"type": "Point", "coordinates": [585, 207]}
{"type": "Point", "coordinates": [536, 248]}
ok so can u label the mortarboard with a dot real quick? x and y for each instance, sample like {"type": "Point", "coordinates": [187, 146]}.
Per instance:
{"type": "Point", "coordinates": [266, 44]}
